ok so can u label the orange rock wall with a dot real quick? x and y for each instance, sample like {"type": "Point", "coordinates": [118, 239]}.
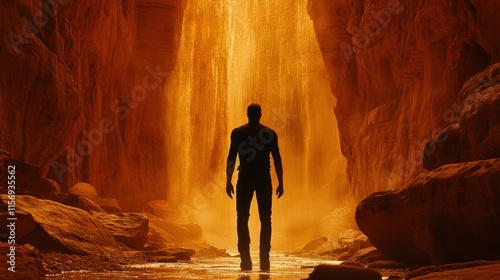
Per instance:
{"type": "Point", "coordinates": [396, 68]}
{"type": "Point", "coordinates": [82, 90]}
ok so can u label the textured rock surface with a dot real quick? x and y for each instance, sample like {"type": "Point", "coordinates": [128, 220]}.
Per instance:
{"type": "Point", "coordinates": [420, 272]}
{"type": "Point", "coordinates": [343, 272]}
{"type": "Point", "coordinates": [446, 215]}
{"type": "Point", "coordinates": [82, 88]}
{"type": "Point", "coordinates": [486, 272]}
{"type": "Point", "coordinates": [78, 201]}
{"type": "Point", "coordinates": [28, 264]}
{"type": "Point", "coordinates": [131, 229]}
{"type": "Point", "coordinates": [396, 68]}
{"type": "Point", "coordinates": [51, 226]}
{"type": "Point", "coordinates": [108, 204]}
{"type": "Point", "coordinates": [476, 135]}
{"type": "Point", "coordinates": [27, 178]}
{"type": "Point", "coordinates": [172, 254]}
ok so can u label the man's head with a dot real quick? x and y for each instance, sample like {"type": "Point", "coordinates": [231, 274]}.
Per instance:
{"type": "Point", "coordinates": [254, 112]}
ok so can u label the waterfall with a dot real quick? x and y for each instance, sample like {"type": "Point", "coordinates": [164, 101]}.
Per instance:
{"type": "Point", "coordinates": [233, 53]}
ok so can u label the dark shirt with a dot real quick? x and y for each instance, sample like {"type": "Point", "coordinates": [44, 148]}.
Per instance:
{"type": "Point", "coordinates": [254, 142]}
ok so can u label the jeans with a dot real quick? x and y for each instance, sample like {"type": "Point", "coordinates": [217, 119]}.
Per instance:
{"type": "Point", "coordinates": [248, 184]}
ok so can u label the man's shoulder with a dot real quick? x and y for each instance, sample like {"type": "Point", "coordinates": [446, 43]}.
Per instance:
{"type": "Point", "coordinates": [249, 126]}
{"type": "Point", "coordinates": [240, 128]}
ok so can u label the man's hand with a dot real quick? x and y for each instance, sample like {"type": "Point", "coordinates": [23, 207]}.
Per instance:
{"type": "Point", "coordinates": [279, 191]}
{"type": "Point", "coordinates": [229, 189]}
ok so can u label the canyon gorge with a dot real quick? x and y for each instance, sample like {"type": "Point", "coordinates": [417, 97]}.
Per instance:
{"type": "Point", "coordinates": [387, 113]}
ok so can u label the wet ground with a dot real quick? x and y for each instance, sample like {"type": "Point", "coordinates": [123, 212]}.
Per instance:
{"type": "Point", "coordinates": [282, 267]}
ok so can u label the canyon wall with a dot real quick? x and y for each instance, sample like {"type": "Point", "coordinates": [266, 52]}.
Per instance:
{"type": "Point", "coordinates": [396, 68]}
{"type": "Point", "coordinates": [82, 87]}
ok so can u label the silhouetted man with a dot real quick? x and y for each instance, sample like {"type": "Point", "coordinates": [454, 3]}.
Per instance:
{"type": "Point", "coordinates": [254, 142]}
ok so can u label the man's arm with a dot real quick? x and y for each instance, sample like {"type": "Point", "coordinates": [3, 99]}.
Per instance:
{"type": "Point", "coordinates": [231, 161]}
{"type": "Point", "coordinates": [229, 175]}
{"type": "Point", "coordinates": [275, 151]}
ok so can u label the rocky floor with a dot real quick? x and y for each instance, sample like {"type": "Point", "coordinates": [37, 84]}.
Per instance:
{"type": "Point", "coordinates": [283, 267]}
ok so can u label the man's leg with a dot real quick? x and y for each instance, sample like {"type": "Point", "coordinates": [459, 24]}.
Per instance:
{"type": "Point", "coordinates": [244, 195]}
{"type": "Point", "coordinates": [264, 199]}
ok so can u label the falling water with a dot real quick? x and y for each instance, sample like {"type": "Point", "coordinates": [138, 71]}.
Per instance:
{"type": "Point", "coordinates": [234, 53]}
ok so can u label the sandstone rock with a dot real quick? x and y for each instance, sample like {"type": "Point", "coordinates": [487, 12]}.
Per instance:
{"type": "Point", "coordinates": [157, 234]}
{"type": "Point", "coordinates": [486, 272]}
{"type": "Point", "coordinates": [392, 92]}
{"type": "Point", "coordinates": [60, 228]}
{"type": "Point", "coordinates": [109, 204]}
{"type": "Point", "coordinates": [78, 201]}
{"type": "Point", "coordinates": [419, 272]}
{"type": "Point", "coordinates": [476, 135]}
{"type": "Point", "coordinates": [343, 272]}
{"type": "Point", "coordinates": [211, 252]}
{"type": "Point", "coordinates": [172, 254]}
{"type": "Point", "coordinates": [351, 236]}
{"type": "Point", "coordinates": [386, 264]}
{"type": "Point", "coordinates": [353, 263]}
{"type": "Point", "coordinates": [314, 244]}
{"type": "Point", "coordinates": [175, 233]}
{"type": "Point", "coordinates": [131, 229]}
{"type": "Point", "coordinates": [70, 73]}
{"type": "Point", "coordinates": [368, 255]}
{"type": "Point", "coordinates": [336, 250]}
{"type": "Point", "coordinates": [84, 189]}
{"type": "Point", "coordinates": [28, 263]}
{"type": "Point", "coordinates": [194, 231]}
{"type": "Point", "coordinates": [28, 179]}
{"type": "Point", "coordinates": [159, 208]}
{"type": "Point", "coordinates": [446, 215]}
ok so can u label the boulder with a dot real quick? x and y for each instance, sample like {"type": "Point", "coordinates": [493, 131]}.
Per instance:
{"type": "Point", "coordinates": [446, 215]}
{"type": "Point", "coordinates": [343, 272]}
{"type": "Point", "coordinates": [159, 208]}
{"type": "Point", "coordinates": [486, 272]}
{"type": "Point", "coordinates": [351, 236]}
{"type": "Point", "coordinates": [78, 201]}
{"type": "Point", "coordinates": [28, 263]}
{"type": "Point", "coordinates": [167, 255]}
{"type": "Point", "coordinates": [131, 229]}
{"type": "Point", "coordinates": [421, 271]}
{"type": "Point", "coordinates": [108, 204]}
{"type": "Point", "coordinates": [52, 226]}
{"type": "Point", "coordinates": [84, 189]}
{"type": "Point", "coordinates": [315, 244]}
{"type": "Point", "coordinates": [174, 233]}
{"type": "Point", "coordinates": [28, 178]}
{"type": "Point", "coordinates": [157, 234]}
{"type": "Point", "coordinates": [475, 133]}
{"type": "Point", "coordinates": [211, 252]}
{"type": "Point", "coordinates": [367, 255]}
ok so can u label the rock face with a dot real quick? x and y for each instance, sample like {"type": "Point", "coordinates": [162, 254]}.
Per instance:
{"type": "Point", "coordinates": [82, 89]}
{"type": "Point", "coordinates": [131, 229]}
{"type": "Point", "coordinates": [446, 215]}
{"type": "Point", "coordinates": [343, 272]}
{"type": "Point", "coordinates": [485, 272]}
{"type": "Point", "coordinates": [51, 226]}
{"type": "Point", "coordinates": [108, 204]}
{"type": "Point", "coordinates": [27, 178]}
{"type": "Point", "coordinates": [28, 264]}
{"type": "Point", "coordinates": [396, 68]}
{"type": "Point", "coordinates": [476, 135]}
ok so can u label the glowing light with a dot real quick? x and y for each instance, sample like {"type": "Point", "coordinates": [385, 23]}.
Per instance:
{"type": "Point", "coordinates": [233, 53]}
